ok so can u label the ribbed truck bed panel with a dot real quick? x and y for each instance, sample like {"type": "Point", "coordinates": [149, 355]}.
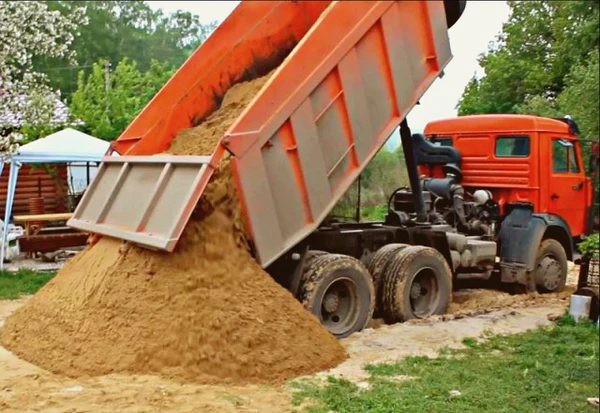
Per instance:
{"type": "Point", "coordinates": [315, 125]}
{"type": "Point", "coordinates": [328, 110]}
{"type": "Point", "coordinates": [249, 43]}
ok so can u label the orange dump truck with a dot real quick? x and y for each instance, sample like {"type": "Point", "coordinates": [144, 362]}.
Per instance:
{"type": "Point", "coordinates": [345, 76]}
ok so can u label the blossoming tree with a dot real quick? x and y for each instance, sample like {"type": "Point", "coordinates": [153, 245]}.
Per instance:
{"type": "Point", "coordinates": [28, 29]}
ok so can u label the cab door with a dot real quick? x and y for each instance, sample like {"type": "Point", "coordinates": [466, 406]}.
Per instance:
{"type": "Point", "coordinates": [566, 184]}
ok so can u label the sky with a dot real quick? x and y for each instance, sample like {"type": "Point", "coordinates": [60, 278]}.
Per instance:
{"type": "Point", "coordinates": [470, 36]}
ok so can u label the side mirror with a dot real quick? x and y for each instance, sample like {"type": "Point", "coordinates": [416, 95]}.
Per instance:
{"type": "Point", "coordinates": [565, 143]}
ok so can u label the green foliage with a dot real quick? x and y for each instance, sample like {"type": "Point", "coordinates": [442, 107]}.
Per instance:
{"type": "Point", "coordinates": [35, 131]}
{"type": "Point", "coordinates": [470, 342]}
{"type": "Point", "coordinates": [545, 62]}
{"type": "Point", "coordinates": [537, 105]}
{"type": "Point", "coordinates": [384, 174]}
{"type": "Point", "coordinates": [30, 31]}
{"type": "Point", "coordinates": [144, 47]}
{"type": "Point", "coordinates": [581, 98]}
{"type": "Point", "coordinates": [374, 213]}
{"type": "Point", "coordinates": [590, 246]}
{"type": "Point", "coordinates": [124, 29]}
{"type": "Point", "coordinates": [547, 370]}
{"type": "Point", "coordinates": [22, 282]}
{"type": "Point", "coordinates": [107, 111]}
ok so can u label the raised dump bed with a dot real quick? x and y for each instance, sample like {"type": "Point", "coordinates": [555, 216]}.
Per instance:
{"type": "Point", "coordinates": [347, 74]}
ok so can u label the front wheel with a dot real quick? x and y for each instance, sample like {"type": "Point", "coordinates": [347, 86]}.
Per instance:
{"type": "Point", "coordinates": [551, 267]}
{"type": "Point", "coordinates": [339, 291]}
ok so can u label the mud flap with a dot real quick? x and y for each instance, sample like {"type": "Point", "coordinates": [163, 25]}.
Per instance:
{"type": "Point", "coordinates": [520, 235]}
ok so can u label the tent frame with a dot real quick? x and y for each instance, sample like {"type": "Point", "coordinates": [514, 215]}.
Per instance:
{"type": "Point", "coordinates": [16, 161]}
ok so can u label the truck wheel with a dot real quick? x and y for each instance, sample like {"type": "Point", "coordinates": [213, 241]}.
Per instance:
{"type": "Point", "coordinates": [551, 268]}
{"type": "Point", "coordinates": [378, 265]}
{"type": "Point", "coordinates": [416, 284]}
{"type": "Point", "coordinates": [338, 290]}
{"type": "Point", "coordinates": [311, 256]}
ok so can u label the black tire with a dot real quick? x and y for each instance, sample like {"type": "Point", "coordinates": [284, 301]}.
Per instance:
{"type": "Point", "coordinates": [311, 256]}
{"type": "Point", "coordinates": [410, 269]}
{"type": "Point", "coordinates": [377, 267]}
{"type": "Point", "coordinates": [338, 290]}
{"type": "Point", "coordinates": [551, 267]}
{"type": "Point", "coordinates": [454, 10]}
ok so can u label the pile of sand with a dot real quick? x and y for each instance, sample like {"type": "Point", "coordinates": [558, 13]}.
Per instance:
{"type": "Point", "coordinates": [206, 313]}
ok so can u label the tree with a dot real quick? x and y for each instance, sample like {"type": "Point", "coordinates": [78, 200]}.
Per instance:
{"type": "Point", "coordinates": [124, 29]}
{"type": "Point", "coordinates": [30, 30]}
{"type": "Point", "coordinates": [542, 63]}
{"type": "Point", "coordinates": [107, 111]}
{"type": "Point", "coordinates": [382, 176]}
{"type": "Point", "coordinates": [581, 98]}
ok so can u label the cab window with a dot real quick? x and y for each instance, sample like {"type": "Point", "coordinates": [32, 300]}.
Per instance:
{"type": "Point", "coordinates": [563, 156]}
{"type": "Point", "coordinates": [441, 140]}
{"type": "Point", "coordinates": [512, 146]}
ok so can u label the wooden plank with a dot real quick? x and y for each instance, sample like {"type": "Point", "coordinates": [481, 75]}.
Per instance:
{"type": "Point", "coordinates": [50, 243]}
{"type": "Point", "coordinates": [43, 217]}
{"type": "Point", "coordinates": [58, 230]}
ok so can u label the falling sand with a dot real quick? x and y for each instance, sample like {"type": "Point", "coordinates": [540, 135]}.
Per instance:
{"type": "Point", "coordinates": [206, 313]}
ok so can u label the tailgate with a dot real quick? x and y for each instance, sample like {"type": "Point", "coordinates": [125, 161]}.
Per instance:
{"type": "Point", "coordinates": [143, 199]}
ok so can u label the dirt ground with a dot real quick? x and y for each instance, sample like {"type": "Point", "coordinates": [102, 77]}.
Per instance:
{"type": "Point", "coordinates": [27, 388]}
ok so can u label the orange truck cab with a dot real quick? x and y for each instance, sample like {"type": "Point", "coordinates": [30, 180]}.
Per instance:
{"type": "Point", "coordinates": [530, 167]}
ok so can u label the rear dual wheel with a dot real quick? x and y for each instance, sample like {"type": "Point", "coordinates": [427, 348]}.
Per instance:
{"type": "Point", "coordinates": [416, 283]}
{"type": "Point", "coordinates": [406, 281]}
{"type": "Point", "coordinates": [339, 291]}
{"type": "Point", "coordinates": [378, 266]}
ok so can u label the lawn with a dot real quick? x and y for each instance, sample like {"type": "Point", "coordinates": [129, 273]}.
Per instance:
{"type": "Point", "coordinates": [546, 370]}
{"type": "Point", "coordinates": [23, 282]}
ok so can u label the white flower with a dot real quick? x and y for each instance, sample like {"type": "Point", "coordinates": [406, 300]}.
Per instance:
{"type": "Point", "coordinates": [29, 29]}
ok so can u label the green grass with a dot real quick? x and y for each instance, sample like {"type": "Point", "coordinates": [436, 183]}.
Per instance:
{"type": "Point", "coordinates": [367, 213]}
{"type": "Point", "coordinates": [23, 282]}
{"type": "Point", "coordinates": [546, 370]}
{"type": "Point", "coordinates": [375, 213]}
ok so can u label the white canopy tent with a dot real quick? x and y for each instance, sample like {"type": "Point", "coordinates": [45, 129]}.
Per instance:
{"type": "Point", "coordinates": [67, 143]}
{"type": "Point", "coordinates": [65, 146]}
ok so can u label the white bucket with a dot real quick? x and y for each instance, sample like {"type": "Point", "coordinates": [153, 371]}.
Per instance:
{"type": "Point", "coordinates": [580, 307]}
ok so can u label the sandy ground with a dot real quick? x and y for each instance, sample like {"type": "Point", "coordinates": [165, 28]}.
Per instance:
{"type": "Point", "coordinates": [38, 264]}
{"type": "Point", "coordinates": [33, 264]}
{"type": "Point", "coordinates": [27, 388]}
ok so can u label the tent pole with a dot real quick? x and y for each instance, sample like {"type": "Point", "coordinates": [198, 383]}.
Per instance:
{"type": "Point", "coordinates": [10, 194]}
{"type": "Point", "coordinates": [5, 203]}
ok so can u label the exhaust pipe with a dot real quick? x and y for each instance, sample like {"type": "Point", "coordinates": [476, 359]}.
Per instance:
{"type": "Point", "coordinates": [413, 172]}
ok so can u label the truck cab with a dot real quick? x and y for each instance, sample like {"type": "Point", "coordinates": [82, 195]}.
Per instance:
{"type": "Point", "coordinates": [521, 159]}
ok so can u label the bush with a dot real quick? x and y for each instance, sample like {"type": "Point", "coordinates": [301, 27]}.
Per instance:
{"type": "Point", "coordinates": [590, 246]}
